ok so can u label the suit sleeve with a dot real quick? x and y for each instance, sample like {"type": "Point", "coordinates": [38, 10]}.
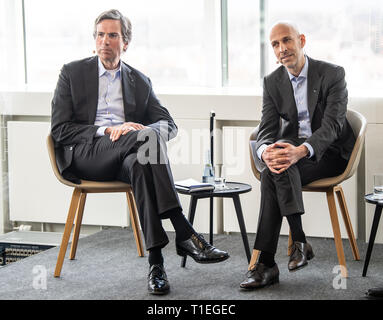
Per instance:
{"type": "Point", "coordinates": [159, 117]}
{"type": "Point", "coordinates": [270, 120]}
{"type": "Point", "coordinates": [64, 129]}
{"type": "Point", "coordinates": [334, 117]}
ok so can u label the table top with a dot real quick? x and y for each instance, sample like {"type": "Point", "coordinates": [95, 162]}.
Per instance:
{"type": "Point", "coordinates": [371, 199]}
{"type": "Point", "coordinates": [232, 189]}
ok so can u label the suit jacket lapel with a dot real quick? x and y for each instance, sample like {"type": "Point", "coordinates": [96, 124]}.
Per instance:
{"type": "Point", "coordinates": [287, 93]}
{"type": "Point", "coordinates": [91, 84]}
{"type": "Point", "coordinates": [128, 91]}
{"type": "Point", "coordinates": [314, 80]}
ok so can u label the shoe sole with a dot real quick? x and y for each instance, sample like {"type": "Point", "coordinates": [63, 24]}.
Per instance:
{"type": "Point", "coordinates": [305, 265]}
{"type": "Point", "coordinates": [275, 281]}
{"type": "Point", "coordinates": [159, 293]}
{"type": "Point", "coordinates": [183, 254]}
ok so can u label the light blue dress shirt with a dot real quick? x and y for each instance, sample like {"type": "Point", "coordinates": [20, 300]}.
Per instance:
{"type": "Point", "coordinates": [300, 94]}
{"type": "Point", "coordinates": [110, 109]}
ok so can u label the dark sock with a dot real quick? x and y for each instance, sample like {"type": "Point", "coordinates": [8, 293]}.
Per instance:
{"type": "Point", "coordinates": [181, 225]}
{"type": "Point", "coordinates": [267, 259]}
{"type": "Point", "coordinates": [295, 223]}
{"type": "Point", "coordinates": [155, 256]}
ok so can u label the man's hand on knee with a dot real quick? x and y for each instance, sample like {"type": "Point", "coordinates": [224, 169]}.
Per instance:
{"type": "Point", "coordinates": [117, 131]}
{"type": "Point", "coordinates": [273, 159]}
{"type": "Point", "coordinates": [280, 156]}
{"type": "Point", "coordinates": [287, 155]}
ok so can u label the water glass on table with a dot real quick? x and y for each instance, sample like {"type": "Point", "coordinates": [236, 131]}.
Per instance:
{"type": "Point", "coordinates": [220, 183]}
{"type": "Point", "coordinates": [378, 186]}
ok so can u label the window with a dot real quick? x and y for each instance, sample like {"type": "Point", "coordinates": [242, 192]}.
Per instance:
{"type": "Point", "coordinates": [11, 44]}
{"type": "Point", "coordinates": [243, 43]}
{"type": "Point", "coordinates": [184, 43]}
{"type": "Point", "coordinates": [349, 34]}
{"type": "Point", "coordinates": [168, 44]}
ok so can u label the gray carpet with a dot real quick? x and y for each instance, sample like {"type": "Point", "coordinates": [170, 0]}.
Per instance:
{"type": "Point", "coordinates": [107, 267]}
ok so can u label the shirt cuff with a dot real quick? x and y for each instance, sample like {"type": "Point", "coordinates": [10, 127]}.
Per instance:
{"type": "Point", "coordinates": [260, 151]}
{"type": "Point", "coordinates": [101, 131]}
{"type": "Point", "coordinates": [311, 150]}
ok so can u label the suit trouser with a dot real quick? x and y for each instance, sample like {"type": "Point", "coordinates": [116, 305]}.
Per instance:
{"type": "Point", "coordinates": [281, 194]}
{"type": "Point", "coordinates": [151, 177]}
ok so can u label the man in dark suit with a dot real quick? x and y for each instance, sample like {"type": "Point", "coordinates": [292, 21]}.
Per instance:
{"type": "Point", "coordinates": [303, 136]}
{"type": "Point", "coordinates": [107, 124]}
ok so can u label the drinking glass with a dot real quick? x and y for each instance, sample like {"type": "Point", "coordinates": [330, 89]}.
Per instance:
{"type": "Point", "coordinates": [378, 186]}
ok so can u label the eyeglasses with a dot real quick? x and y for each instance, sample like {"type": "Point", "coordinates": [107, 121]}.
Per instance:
{"type": "Point", "coordinates": [110, 36]}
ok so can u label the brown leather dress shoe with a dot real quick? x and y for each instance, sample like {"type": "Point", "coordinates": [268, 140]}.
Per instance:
{"type": "Point", "coordinates": [300, 254]}
{"type": "Point", "coordinates": [260, 276]}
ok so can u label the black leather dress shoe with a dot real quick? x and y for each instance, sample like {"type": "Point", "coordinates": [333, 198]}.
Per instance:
{"type": "Point", "coordinates": [157, 280]}
{"type": "Point", "coordinates": [300, 254]}
{"type": "Point", "coordinates": [375, 293]}
{"type": "Point", "coordinates": [200, 250]}
{"type": "Point", "coordinates": [260, 276]}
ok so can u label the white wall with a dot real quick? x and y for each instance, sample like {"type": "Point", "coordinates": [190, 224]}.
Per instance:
{"type": "Point", "coordinates": [34, 192]}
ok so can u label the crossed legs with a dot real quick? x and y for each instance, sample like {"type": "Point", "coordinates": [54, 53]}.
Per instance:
{"type": "Point", "coordinates": [281, 196]}
{"type": "Point", "coordinates": [156, 198]}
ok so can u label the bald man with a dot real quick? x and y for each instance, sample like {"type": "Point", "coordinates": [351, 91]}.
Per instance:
{"type": "Point", "coordinates": [303, 136]}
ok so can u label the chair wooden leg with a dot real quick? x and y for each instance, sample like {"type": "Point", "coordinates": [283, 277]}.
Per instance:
{"type": "Point", "coordinates": [77, 226]}
{"type": "Point", "coordinates": [68, 228]}
{"type": "Point", "coordinates": [255, 254]}
{"type": "Point", "coordinates": [289, 244]}
{"type": "Point", "coordinates": [336, 230]}
{"type": "Point", "coordinates": [134, 221]}
{"type": "Point", "coordinates": [254, 258]}
{"type": "Point", "coordinates": [347, 221]}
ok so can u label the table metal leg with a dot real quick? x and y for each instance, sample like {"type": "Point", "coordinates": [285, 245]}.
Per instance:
{"type": "Point", "coordinates": [211, 219]}
{"type": "Point", "coordinates": [241, 222]}
{"type": "Point", "coordinates": [374, 228]}
{"type": "Point", "coordinates": [192, 208]}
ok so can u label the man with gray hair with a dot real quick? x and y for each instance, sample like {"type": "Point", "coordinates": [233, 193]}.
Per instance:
{"type": "Point", "coordinates": [103, 113]}
{"type": "Point", "coordinates": [303, 136]}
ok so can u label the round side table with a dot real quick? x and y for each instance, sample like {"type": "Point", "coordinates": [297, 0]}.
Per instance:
{"type": "Point", "coordinates": [232, 190]}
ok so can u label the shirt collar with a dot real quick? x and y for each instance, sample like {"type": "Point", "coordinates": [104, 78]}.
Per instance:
{"type": "Point", "coordinates": [303, 73]}
{"type": "Point", "coordinates": [102, 70]}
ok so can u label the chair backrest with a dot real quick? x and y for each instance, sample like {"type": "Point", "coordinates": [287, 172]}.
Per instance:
{"type": "Point", "coordinates": [52, 158]}
{"type": "Point", "coordinates": [358, 124]}
{"type": "Point", "coordinates": [253, 139]}
{"type": "Point", "coordinates": [86, 185]}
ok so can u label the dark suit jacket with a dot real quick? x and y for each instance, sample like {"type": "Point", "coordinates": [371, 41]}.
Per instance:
{"type": "Point", "coordinates": [75, 102]}
{"type": "Point", "coordinates": [327, 106]}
